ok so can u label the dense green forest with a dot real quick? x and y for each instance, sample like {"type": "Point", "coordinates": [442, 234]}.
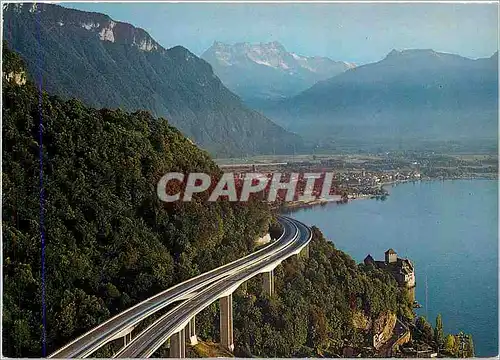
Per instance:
{"type": "Point", "coordinates": [110, 243]}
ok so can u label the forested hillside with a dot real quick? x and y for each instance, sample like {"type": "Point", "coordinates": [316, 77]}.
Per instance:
{"type": "Point", "coordinates": [107, 63]}
{"type": "Point", "coordinates": [110, 242]}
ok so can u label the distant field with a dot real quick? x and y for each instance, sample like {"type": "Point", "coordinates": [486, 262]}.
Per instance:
{"type": "Point", "coordinates": [266, 159]}
{"type": "Point", "coordinates": [473, 157]}
{"type": "Point", "coordinates": [352, 158]}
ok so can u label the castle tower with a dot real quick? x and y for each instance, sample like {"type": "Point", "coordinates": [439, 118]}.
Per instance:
{"type": "Point", "coordinates": [369, 260]}
{"type": "Point", "coordinates": [391, 256]}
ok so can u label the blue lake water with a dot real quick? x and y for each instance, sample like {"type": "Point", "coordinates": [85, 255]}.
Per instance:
{"type": "Point", "coordinates": [449, 229]}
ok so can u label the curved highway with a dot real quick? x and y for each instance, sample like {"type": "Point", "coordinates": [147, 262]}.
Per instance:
{"type": "Point", "coordinates": [111, 329]}
{"type": "Point", "coordinates": [151, 338]}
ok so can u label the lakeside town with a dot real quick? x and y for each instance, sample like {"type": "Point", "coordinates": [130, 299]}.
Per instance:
{"type": "Point", "coordinates": [364, 176]}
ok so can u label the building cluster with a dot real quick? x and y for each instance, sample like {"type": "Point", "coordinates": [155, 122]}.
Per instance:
{"type": "Point", "coordinates": [402, 269]}
{"type": "Point", "coordinates": [352, 182]}
{"type": "Point", "coordinates": [370, 179]}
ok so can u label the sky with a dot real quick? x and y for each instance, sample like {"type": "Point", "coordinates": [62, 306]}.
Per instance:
{"type": "Point", "coordinates": [359, 33]}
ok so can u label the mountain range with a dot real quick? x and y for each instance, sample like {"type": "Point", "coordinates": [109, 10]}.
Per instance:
{"type": "Point", "coordinates": [411, 99]}
{"type": "Point", "coordinates": [408, 98]}
{"type": "Point", "coordinates": [112, 64]}
{"type": "Point", "coordinates": [268, 70]}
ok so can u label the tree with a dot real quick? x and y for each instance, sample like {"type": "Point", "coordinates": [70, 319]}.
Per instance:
{"type": "Point", "coordinates": [449, 344]}
{"type": "Point", "coordinates": [438, 332]}
{"type": "Point", "coordinates": [425, 330]}
{"type": "Point", "coordinates": [469, 347]}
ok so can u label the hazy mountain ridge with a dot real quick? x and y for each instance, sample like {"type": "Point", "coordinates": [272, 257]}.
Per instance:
{"type": "Point", "coordinates": [268, 70]}
{"type": "Point", "coordinates": [409, 96]}
{"type": "Point", "coordinates": [111, 64]}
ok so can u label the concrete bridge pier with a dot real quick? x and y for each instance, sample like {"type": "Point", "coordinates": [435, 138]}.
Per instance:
{"type": "Point", "coordinates": [191, 337]}
{"type": "Point", "coordinates": [127, 339]}
{"type": "Point", "coordinates": [226, 322]}
{"type": "Point", "coordinates": [268, 282]}
{"type": "Point", "coordinates": [126, 335]}
{"type": "Point", "coordinates": [177, 345]}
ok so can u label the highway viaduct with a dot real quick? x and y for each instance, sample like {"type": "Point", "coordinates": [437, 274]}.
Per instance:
{"type": "Point", "coordinates": [178, 326]}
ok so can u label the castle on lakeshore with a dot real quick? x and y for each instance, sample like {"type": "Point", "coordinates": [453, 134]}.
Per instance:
{"type": "Point", "coordinates": [402, 269]}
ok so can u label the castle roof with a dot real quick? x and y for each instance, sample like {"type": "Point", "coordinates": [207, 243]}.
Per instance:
{"type": "Point", "coordinates": [390, 251]}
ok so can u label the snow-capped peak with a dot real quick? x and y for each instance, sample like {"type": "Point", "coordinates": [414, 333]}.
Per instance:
{"type": "Point", "coordinates": [268, 70]}
{"type": "Point", "coordinates": [272, 54]}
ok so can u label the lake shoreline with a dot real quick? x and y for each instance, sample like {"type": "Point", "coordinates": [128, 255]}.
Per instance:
{"type": "Point", "coordinates": [432, 223]}
{"type": "Point", "coordinates": [290, 207]}
{"type": "Point", "coordinates": [298, 205]}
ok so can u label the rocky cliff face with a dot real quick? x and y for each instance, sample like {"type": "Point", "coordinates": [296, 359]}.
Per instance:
{"type": "Point", "coordinates": [383, 328]}
{"type": "Point", "coordinates": [18, 78]}
{"type": "Point", "coordinates": [100, 25]}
